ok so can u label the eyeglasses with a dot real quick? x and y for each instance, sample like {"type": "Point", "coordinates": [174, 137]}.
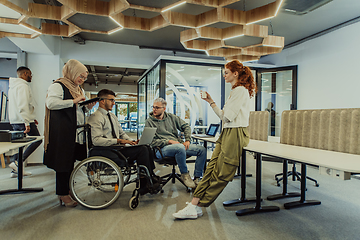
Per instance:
{"type": "Point", "coordinates": [110, 99]}
{"type": "Point", "coordinates": [83, 78]}
{"type": "Point", "coordinates": [156, 107]}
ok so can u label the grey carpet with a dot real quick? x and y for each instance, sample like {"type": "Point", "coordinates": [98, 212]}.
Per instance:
{"type": "Point", "coordinates": [39, 216]}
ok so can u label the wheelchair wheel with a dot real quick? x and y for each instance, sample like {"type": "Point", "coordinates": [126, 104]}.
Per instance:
{"type": "Point", "coordinates": [96, 182]}
{"type": "Point", "coordinates": [134, 202]}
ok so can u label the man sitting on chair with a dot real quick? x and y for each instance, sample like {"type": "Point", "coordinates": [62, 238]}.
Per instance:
{"type": "Point", "coordinates": [171, 145]}
{"type": "Point", "coordinates": [106, 131]}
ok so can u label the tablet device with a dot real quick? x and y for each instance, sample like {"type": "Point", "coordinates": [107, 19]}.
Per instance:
{"type": "Point", "coordinates": [210, 132]}
{"type": "Point", "coordinates": [89, 101]}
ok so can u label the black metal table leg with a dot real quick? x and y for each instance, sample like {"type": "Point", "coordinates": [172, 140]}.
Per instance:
{"type": "Point", "coordinates": [242, 198]}
{"type": "Point", "coordinates": [258, 208]}
{"type": "Point", "coordinates": [20, 189]}
{"type": "Point", "coordinates": [302, 201]}
{"type": "Point", "coordinates": [284, 194]}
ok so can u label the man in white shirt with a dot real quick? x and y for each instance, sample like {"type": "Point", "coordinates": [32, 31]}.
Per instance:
{"type": "Point", "coordinates": [106, 131]}
{"type": "Point", "coordinates": [22, 112]}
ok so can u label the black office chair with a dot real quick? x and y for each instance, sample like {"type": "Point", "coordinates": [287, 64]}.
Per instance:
{"type": "Point", "coordinates": [168, 161]}
{"type": "Point", "coordinates": [295, 176]}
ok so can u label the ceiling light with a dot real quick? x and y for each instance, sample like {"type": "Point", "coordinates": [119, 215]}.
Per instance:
{"type": "Point", "coordinates": [21, 24]}
{"type": "Point", "coordinates": [260, 20]}
{"type": "Point", "coordinates": [115, 30]}
{"type": "Point", "coordinates": [266, 45]}
{"type": "Point", "coordinates": [115, 21]}
{"type": "Point", "coordinates": [290, 10]}
{"type": "Point", "coordinates": [277, 10]}
{"type": "Point", "coordinates": [233, 37]}
{"type": "Point", "coordinates": [167, 9]}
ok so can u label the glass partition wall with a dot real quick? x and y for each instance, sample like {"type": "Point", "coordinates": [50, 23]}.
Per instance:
{"type": "Point", "coordinates": [180, 83]}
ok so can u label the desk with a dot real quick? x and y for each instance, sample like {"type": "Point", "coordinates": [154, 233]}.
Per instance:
{"type": "Point", "coordinates": [241, 173]}
{"type": "Point", "coordinates": [9, 146]}
{"type": "Point", "coordinates": [303, 155]}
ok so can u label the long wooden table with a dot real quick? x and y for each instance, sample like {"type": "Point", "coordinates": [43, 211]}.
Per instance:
{"type": "Point", "coordinates": [7, 146]}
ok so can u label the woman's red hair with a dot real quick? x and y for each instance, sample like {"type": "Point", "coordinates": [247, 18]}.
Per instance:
{"type": "Point", "coordinates": [245, 77]}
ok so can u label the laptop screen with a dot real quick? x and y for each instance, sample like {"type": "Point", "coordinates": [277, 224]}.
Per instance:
{"type": "Point", "coordinates": [212, 129]}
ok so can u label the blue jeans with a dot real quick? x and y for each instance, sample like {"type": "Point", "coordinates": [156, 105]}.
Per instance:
{"type": "Point", "coordinates": [178, 151]}
{"type": "Point", "coordinates": [33, 132]}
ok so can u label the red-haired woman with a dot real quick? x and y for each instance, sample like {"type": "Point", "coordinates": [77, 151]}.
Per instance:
{"type": "Point", "coordinates": [234, 136]}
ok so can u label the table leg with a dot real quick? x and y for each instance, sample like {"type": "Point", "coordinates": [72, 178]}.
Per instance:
{"type": "Point", "coordinates": [302, 201]}
{"type": "Point", "coordinates": [258, 208]}
{"type": "Point", "coordinates": [243, 175]}
{"type": "Point", "coordinates": [20, 176]}
{"type": "Point", "coordinates": [284, 194]}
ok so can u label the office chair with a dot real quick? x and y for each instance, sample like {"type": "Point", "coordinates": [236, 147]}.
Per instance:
{"type": "Point", "coordinates": [168, 161]}
{"type": "Point", "coordinates": [295, 176]}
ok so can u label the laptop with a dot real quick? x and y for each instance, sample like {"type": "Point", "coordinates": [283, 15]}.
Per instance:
{"type": "Point", "coordinates": [147, 135]}
{"type": "Point", "coordinates": [211, 131]}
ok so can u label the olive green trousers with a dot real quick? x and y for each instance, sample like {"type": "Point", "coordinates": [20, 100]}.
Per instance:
{"type": "Point", "coordinates": [223, 164]}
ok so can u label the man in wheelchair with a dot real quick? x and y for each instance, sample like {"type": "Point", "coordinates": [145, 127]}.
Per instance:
{"type": "Point", "coordinates": [106, 132]}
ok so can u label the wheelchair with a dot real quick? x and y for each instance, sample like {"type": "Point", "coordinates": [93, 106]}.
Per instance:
{"type": "Point", "coordinates": [97, 181]}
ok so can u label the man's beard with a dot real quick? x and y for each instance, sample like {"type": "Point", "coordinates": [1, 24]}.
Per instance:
{"type": "Point", "coordinates": [157, 115]}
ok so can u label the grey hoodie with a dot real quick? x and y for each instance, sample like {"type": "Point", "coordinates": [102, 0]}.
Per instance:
{"type": "Point", "coordinates": [167, 129]}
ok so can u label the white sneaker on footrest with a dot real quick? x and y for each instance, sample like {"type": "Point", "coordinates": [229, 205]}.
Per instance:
{"type": "Point", "coordinates": [14, 166]}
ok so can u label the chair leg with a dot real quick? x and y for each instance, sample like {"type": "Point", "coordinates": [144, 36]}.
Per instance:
{"type": "Point", "coordinates": [295, 176]}
{"type": "Point", "coordinates": [172, 176]}
{"type": "Point", "coordinates": [2, 161]}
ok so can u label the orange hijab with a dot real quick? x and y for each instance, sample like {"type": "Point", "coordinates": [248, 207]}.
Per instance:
{"type": "Point", "coordinates": [71, 70]}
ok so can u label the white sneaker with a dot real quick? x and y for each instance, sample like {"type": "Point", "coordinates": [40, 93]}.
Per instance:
{"type": "Point", "coordinates": [189, 212]}
{"type": "Point", "coordinates": [185, 177]}
{"type": "Point", "coordinates": [14, 166]}
{"type": "Point", "coordinates": [198, 210]}
{"type": "Point", "coordinates": [13, 174]}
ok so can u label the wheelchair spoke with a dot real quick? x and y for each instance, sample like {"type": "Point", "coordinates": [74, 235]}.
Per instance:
{"type": "Point", "coordinates": [96, 182]}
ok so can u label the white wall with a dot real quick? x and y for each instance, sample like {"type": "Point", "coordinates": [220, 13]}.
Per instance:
{"type": "Point", "coordinates": [8, 67]}
{"type": "Point", "coordinates": [328, 75]}
{"type": "Point", "coordinates": [7, 46]}
{"type": "Point", "coordinates": [45, 69]}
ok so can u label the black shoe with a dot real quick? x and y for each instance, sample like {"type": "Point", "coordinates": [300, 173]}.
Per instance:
{"type": "Point", "coordinates": [156, 184]}
{"type": "Point", "coordinates": [143, 191]}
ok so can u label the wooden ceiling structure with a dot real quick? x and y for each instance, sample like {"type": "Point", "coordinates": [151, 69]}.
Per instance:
{"type": "Point", "coordinates": [200, 34]}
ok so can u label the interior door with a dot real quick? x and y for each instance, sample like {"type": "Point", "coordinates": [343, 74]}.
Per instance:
{"type": "Point", "coordinates": [278, 92]}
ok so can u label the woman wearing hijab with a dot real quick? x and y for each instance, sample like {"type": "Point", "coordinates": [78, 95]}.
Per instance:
{"type": "Point", "coordinates": [62, 143]}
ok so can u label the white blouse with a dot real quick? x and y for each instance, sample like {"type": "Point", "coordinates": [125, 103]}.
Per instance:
{"type": "Point", "coordinates": [54, 101]}
{"type": "Point", "coordinates": [236, 110]}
